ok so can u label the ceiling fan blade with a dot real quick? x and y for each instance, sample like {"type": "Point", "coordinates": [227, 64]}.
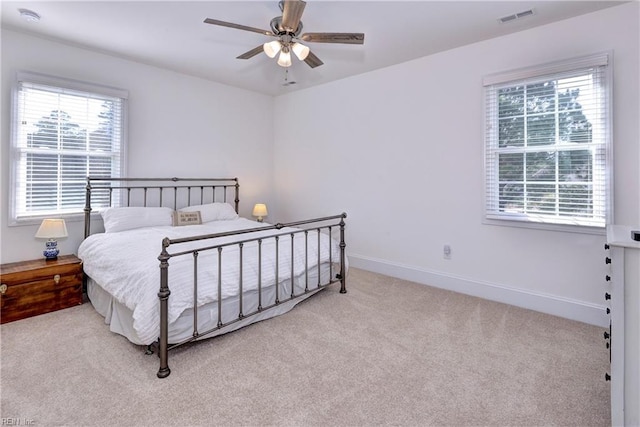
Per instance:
{"type": "Point", "coordinates": [313, 61]}
{"type": "Point", "coordinates": [238, 26]}
{"type": "Point", "coordinates": [251, 53]}
{"type": "Point", "coordinates": [292, 13]}
{"type": "Point", "coordinates": [346, 38]}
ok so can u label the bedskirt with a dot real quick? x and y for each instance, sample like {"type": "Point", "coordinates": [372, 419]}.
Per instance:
{"type": "Point", "coordinates": [120, 318]}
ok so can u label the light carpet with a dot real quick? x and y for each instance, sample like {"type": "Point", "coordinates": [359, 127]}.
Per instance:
{"type": "Point", "coordinates": [389, 352]}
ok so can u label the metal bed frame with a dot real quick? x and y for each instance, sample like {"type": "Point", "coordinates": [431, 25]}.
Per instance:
{"type": "Point", "coordinates": [146, 191]}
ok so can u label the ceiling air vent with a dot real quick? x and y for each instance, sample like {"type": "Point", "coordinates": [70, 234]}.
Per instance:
{"type": "Point", "coordinates": [516, 16]}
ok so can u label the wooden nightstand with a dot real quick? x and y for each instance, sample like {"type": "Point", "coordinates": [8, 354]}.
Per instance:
{"type": "Point", "coordinates": [30, 288]}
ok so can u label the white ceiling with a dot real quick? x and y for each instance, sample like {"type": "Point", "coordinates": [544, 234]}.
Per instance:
{"type": "Point", "coordinates": [172, 35]}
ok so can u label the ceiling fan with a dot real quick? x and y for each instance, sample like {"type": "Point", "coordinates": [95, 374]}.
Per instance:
{"type": "Point", "coordinates": [286, 30]}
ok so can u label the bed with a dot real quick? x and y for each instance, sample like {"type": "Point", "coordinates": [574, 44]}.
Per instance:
{"type": "Point", "coordinates": [175, 262]}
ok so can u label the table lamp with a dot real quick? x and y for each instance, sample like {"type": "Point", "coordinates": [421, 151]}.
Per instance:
{"type": "Point", "coordinates": [52, 229]}
{"type": "Point", "coordinates": [260, 210]}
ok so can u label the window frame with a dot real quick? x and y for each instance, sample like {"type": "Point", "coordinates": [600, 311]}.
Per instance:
{"type": "Point", "coordinates": [15, 151]}
{"type": "Point", "coordinates": [541, 72]}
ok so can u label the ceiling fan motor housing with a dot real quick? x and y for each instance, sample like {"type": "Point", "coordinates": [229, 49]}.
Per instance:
{"type": "Point", "coordinates": [279, 29]}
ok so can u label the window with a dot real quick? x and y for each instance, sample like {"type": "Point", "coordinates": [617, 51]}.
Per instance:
{"type": "Point", "coordinates": [547, 144]}
{"type": "Point", "coordinates": [63, 131]}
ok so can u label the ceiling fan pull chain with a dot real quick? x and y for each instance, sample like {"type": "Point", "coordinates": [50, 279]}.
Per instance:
{"type": "Point", "coordinates": [286, 78]}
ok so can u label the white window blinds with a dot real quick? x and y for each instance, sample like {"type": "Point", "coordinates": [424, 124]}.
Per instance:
{"type": "Point", "coordinates": [547, 147]}
{"type": "Point", "coordinates": [63, 132]}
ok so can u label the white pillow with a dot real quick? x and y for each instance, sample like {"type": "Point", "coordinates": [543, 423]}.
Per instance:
{"type": "Point", "coordinates": [120, 219]}
{"type": "Point", "coordinates": [213, 211]}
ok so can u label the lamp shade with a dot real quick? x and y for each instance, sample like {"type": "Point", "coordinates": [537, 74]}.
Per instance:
{"type": "Point", "coordinates": [260, 209]}
{"type": "Point", "coordinates": [300, 50]}
{"type": "Point", "coordinates": [52, 229]}
{"type": "Point", "coordinates": [272, 48]}
{"type": "Point", "coordinates": [284, 60]}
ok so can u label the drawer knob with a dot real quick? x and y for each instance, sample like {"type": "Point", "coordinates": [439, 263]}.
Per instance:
{"type": "Point", "coordinates": [56, 279]}
{"type": "Point", "coordinates": [607, 296]}
{"type": "Point", "coordinates": [607, 260]}
{"type": "Point", "coordinates": [607, 377]}
{"type": "Point", "coordinates": [607, 278]}
{"type": "Point", "coordinates": [3, 289]}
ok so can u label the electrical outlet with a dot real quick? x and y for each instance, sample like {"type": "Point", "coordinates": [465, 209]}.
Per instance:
{"type": "Point", "coordinates": [446, 252]}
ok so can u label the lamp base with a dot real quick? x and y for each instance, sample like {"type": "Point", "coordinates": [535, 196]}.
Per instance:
{"type": "Point", "coordinates": [51, 252]}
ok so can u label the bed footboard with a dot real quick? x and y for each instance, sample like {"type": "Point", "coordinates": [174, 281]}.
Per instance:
{"type": "Point", "coordinates": [309, 234]}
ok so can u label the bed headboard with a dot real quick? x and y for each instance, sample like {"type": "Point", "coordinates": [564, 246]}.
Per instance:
{"type": "Point", "coordinates": [103, 192]}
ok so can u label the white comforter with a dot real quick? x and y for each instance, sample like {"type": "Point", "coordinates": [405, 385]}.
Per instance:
{"type": "Point", "coordinates": [126, 265]}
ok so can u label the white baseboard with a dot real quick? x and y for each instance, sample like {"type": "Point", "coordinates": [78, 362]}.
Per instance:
{"type": "Point", "coordinates": [581, 311]}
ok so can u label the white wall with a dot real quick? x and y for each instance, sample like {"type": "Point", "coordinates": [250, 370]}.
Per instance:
{"type": "Point", "coordinates": [178, 126]}
{"type": "Point", "coordinates": [401, 151]}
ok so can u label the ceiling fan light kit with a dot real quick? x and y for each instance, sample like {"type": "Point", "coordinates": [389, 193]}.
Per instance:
{"type": "Point", "coordinates": [300, 50]}
{"type": "Point", "coordinates": [286, 29]}
{"type": "Point", "coordinates": [284, 60]}
{"type": "Point", "coordinates": [272, 48]}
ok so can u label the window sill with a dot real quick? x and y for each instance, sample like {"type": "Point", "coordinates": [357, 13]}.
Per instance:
{"type": "Point", "coordinates": [565, 228]}
{"type": "Point", "coordinates": [37, 220]}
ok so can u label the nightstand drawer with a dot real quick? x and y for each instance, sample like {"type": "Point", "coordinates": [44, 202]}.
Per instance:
{"type": "Point", "coordinates": [53, 274]}
{"type": "Point", "coordinates": [35, 287]}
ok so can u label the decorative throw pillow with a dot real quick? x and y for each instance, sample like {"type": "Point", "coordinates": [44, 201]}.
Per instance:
{"type": "Point", "coordinates": [186, 218]}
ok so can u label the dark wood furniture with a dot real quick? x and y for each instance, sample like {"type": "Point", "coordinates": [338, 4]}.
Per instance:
{"type": "Point", "coordinates": [30, 288]}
